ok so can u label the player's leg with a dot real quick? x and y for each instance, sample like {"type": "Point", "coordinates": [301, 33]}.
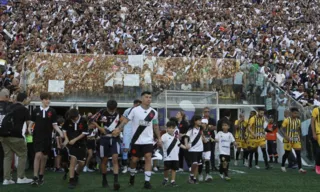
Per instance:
{"type": "Point", "coordinates": [115, 162]}
{"type": "Point", "coordinates": [147, 169]}
{"type": "Point", "coordinates": [36, 167]}
{"type": "Point", "coordinates": [165, 173]}
{"type": "Point", "coordinates": [207, 157]}
{"type": "Point", "coordinates": [262, 145]}
{"type": "Point", "coordinates": [104, 154]}
{"type": "Point", "coordinates": [200, 168]}
{"type": "Point", "coordinates": [125, 160]}
{"type": "Point", "coordinates": [270, 150]}
{"type": "Point", "coordinates": [297, 149]}
{"type": "Point", "coordinates": [275, 153]}
{"type": "Point", "coordinates": [135, 157]}
{"type": "Point", "coordinates": [174, 167]}
{"type": "Point", "coordinates": [72, 180]}
{"type": "Point", "coordinates": [226, 167]}
{"type": "Point", "coordinates": [287, 150]}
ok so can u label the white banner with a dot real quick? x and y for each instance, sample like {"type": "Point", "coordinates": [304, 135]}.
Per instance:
{"type": "Point", "coordinates": [56, 86]}
{"type": "Point", "coordinates": [131, 80]}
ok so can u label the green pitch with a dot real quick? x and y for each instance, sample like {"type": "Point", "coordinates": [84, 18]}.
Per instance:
{"type": "Point", "coordinates": [243, 180]}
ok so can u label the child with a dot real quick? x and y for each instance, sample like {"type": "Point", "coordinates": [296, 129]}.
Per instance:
{"type": "Point", "coordinates": [206, 154]}
{"type": "Point", "coordinates": [75, 131]}
{"type": "Point", "coordinates": [45, 119]}
{"type": "Point", "coordinates": [225, 138]}
{"type": "Point", "coordinates": [171, 149]}
{"type": "Point", "coordinates": [195, 147]}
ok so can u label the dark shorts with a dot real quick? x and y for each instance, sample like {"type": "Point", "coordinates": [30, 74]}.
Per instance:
{"type": "Point", "coordinates": [237, 89]}
{"type": "Point", "coordinates": [225, 158]}
{"type": "Point", "coordinates": [91, 144]}
{"type": "Point", "coordinates": [64, 155]}
{"type": "Point", "coordinates": [195, 157]}
{"type": "Point", "coordinates": [78, 152]}
{"type": "Point", "coordinates": [141, 150]}
{"type": "Point", "coordinates": [173, 165]}
{"type": "Point", "coordinates": [109, 146]}
{"type": "Point", "coordinates": [43, 146]}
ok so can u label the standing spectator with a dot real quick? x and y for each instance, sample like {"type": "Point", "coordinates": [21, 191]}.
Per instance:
{"type": "Point", "coordinates": [15, 143]}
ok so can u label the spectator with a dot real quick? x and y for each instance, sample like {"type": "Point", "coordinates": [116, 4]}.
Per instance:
{"type": "Point", "coordinates": [15, 143]}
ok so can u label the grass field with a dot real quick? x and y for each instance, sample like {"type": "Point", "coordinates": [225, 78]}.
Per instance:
{"type": "Point", "coordinates": [248, 181]}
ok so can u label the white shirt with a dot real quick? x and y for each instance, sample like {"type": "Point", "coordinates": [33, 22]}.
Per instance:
{"type": "Point", "coordinates": [137, 116]}
{"type": "Point", "coordinates": [192, 133]}
{"type": "Point", "coordinates": [224, 140]}
{"type": "Point", "coordinates": [167, 139]}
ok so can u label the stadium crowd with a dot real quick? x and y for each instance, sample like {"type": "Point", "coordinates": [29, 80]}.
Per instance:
{"type": "Point", "coordinates": [280, 37]}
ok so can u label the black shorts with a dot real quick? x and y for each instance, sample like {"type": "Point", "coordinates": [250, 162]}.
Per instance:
{"type": "Point", "coordinates": [224, 158]}
{"type": "Point", "coordinates": [173, 165]}
{"type": "Point", "coordinates": [43, 146]}
{"type": "Point", "coordinates": [195, 157]}
{"type": "Point", "coordinates": [141, 150]}
{"type": "Point", "coordinates": [91, 144]}
{"type": "Point", "coordinates": [109, 146]}
{"type": "Point", "coordinates": [64, 155]}
{"type": "Point", "coordinates": [78, 152]}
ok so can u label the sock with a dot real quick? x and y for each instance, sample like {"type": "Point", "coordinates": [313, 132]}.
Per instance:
{"type": "Point", "coordinates": [172, 181]}
{"type": "Point", "coordinates": [284, 158]}
{"type": "Point", "coordinates": [192, 176]}
{"type": "Point", "coordinates": [245, 155]}
{"type": "Point", "coordinates": [40, 177]}
{"type": "Point", "coordinates": [221, 168]}
{"type": "Point", "coordinates": [115, 176]}
{"type": "Point", "coordinates": [276, 158]}
{"type": "Point", "coordinates": [265, 157]}
{"type": "Point", "coordinates": [226, 170]}
{"type": "Point", "coordinates": [132, 172]}
{"type": "Point", "coordinates": [104, 176]}
{"type": "Point", "coordinates": [207, 167]}
{"type": "Point", "coordinates": [298, 153]}
{"type": "Point", "coordinates": [147, 176]}
{"type": "Point", "coordinates": [166, 179]}
{"type": "Point", "coordinates": [256, 157]}
{"type": "Point", "coordinates": [76, 173]}
{"type": "Point", "coordinates": [200, 169]}
{"type": "Point", "coordinates": [250, 158]}
{"type": "Point", "coordinates": [237, 154]}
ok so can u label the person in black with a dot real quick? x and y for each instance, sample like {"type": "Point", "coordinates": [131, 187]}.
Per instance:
{"type": "Point", "coordinates": [45, 118]}
{"type": "Point", "coordinates": [109, 143]}
{"type": "Point", "coordinates": [211, 127]}
{"type": "Point", "coordinates": [15, 143]}
{"type": "Point", "coordinates": [75, 130]}
{"type": "Point", "coordinates": [183, 127]}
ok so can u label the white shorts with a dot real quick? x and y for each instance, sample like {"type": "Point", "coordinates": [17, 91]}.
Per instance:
{"type": "Point", "coordinates": [206, 155]}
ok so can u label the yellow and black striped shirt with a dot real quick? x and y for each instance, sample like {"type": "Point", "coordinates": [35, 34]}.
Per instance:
{"type": "Point", "coordinates": [241, 130]}
{"type": "Point", "coordinates": [257, 128]}
{"type": "Point", "coordinates": [293, 129]}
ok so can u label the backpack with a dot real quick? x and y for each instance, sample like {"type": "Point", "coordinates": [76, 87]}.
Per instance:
{"type": "Point", "coordinates": [6, 121]}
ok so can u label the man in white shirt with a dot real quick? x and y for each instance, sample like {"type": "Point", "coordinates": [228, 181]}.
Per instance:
{"type": "Point", "coordinates": [144, 124]}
